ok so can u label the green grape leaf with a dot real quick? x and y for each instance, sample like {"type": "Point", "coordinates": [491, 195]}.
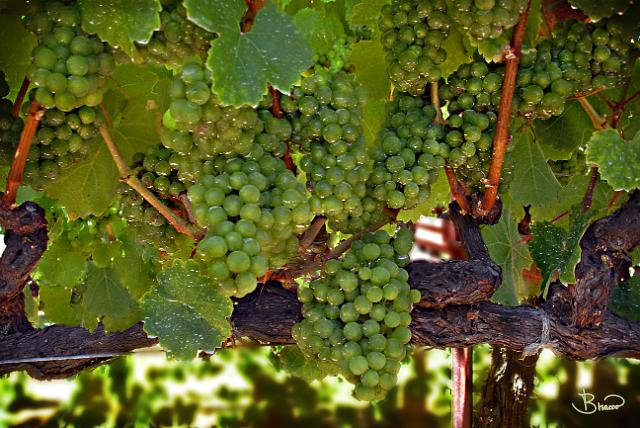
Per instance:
{"type": "Point", "coordinates": [560, 136]}
{"type": "Point", "coordinates": [291, 360]}
{"type": "Point", "coordinates": [135, 273]}
{"type": "Point", "coordinates": [121, 22]}
{"type": "Point", "coordinates": [216, 16]}
{"type": "Point", "coordinates": [373, 113]}
{"type": "Point", "coordinates": [459, 52]}
{"type": "Point", "coordinates": [533, 181]}
{"type": "Point", "coordinates": [367, 58]}
{"type": "Point", "coordinates": [134, 80]}
{"type": "Point", "coordinates": [58, 306]}
{"type": "Point", "coordinates": [439, 197]}
{"type": "Point", "coordinates": [243, 64]}
{"type": "Point", "coordinates": [534, 23]}
{"type": "Point", "coordinates": [15, 50]}
{"type": "Point", "coordinates": [490, 49]}
{"type": "Point", "coordinates": [89, 186]}
{"type": "Point", "coordinates": [597, 9]}
{"type": "Point", "coordinates": [556, 250]}
{"type": "Point", "coordinates": [625, 299]}
{"type": "Point", "coordinates": [106, 298]}
{"type": "Point", "coordinates": [512, 255]}
{"type": "Point", "coordinates": [61, 265]}
{"type": "Point", "coordinates": [320, 31]}
{"type": "Point", "coordinates": [187, 312]}
{"type": "Point", "coordinates": [617, 160]}
{"type": "Point", "coordinates": [366, 13]}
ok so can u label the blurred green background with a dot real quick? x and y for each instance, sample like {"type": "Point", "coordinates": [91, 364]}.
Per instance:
{"type": "Point", "coordinates": [245, 388]}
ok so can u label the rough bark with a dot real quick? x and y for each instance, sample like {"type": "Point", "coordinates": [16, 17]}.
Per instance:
{"type": "Point", "coordinates": [26, 240]}
{"type": "Point", "coordinates": [604, 262]}
{"type": "Point", "coordinates": [60, 341]}
{"type": "Point", "coordinates": [506, 391]}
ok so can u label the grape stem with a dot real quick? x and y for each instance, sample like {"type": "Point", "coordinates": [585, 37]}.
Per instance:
{"type": "Point", "coordinates": [14, 178]}
{"type": "Point", "coordinates": [309, 235]}
{"type": "Point", "coordinates": [588, 197]}
{"type": "Point", "coordinates": [598, 121]}
{"type": "Point", "coordinates": [435, 101]}
{"type": "Point", "coordinates": [249, 17]}
{"type": "Point", "coordinates": [457, 191]}
{"type": "Point", "coordinates": [20, 97]}
{"type": "Point", "coordinates": [501, 138]}
{"type": "Point", "coordinates": [180, 224]}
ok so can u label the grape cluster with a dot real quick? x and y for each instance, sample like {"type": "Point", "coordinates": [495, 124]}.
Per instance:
{"type": "Point", "coordinates": [69, 67]}
{"type": "Point", "coordinates": [575, 165]}
{"type": "Point", "coordinates": [334, 60]}
{"type": "Point", "coordinates": [357, 315]}
{"type": "Point", "coordinates": [98, 236]}
{"type": "Point", "coordinates": [408, 154]}
{"type": "Point", "coordinates": [177, 39]}
{"type": "Point", "coordinates": [252, 210]}
{"type": "Point", "coordinates": [10, 126]}
{"type": "Point", "coordinates": [486, 19]}
{"type": "Point", "coordinates": [326, 119]}
{"type": "Point", "coordinates": [473, 86]}
{"type": "Point", "coordinates": [62, 140]}
{"type": "Point", "coordinates": [413, 32]}
{"type": "Point", "coordinates": [202, 124]}
{"type": "Point", "coordinates": [157, 170]}
{"type": "Point", "coordinates": [593, 55]}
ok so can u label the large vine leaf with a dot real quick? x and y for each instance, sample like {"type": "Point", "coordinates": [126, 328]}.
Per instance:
{"type": "Point", "coordinates": [186, 311]}
{"type": "Point", "coordinates": [15, 50]}
{"type": "Point", "coordinates": [89, 186]}
{"type": "Point", "coordinates": [533, 181]}
{"type": "Point", "coordinates": [320, 30]}
{"type": "Point", "coordinates": [59, 307]}
{"type": "Point", "coordinates": [61, 265]}
{"type": "Point", "coordinates": [105, 298]}
{"type": "Point", "coordinates": [556, 250]}
{"type": "Point", "coordinates": [512, 255]}
{"type": "Point", "coordinates": [367, 59]}
{"type": "Point", "coordinates": [135, 273]}
{"type": "Point", "coordinates": [216, 16]}
{"type": "Point", "coordinates": [597, 9]}
{"type": "Point", "coordinates": [559, 137]}
{"type": "Point", "coordinates": [121, 22]}
{"type": "Point", "coordinates": [243, 64]}
{"type": "Point", "coordinates": [366, 13]}
{"type": "Point", "coordinates": [618, 161]}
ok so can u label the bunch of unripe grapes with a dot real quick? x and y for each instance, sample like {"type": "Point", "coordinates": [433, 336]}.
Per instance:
{"type": "Point", "coordinates": [252, 210]}
{"type": "Point", "coordinates": [10, 126]}
{"type": "Point", "coordinates": [158, 171]}
{"type": "Point", "coordinates": [594, 55]}
{"type": "Point", "coordinates": [334, 60]}
{"type": "Point", "coordinates": [69, 67]}
{"type": "Point", "coordinates": [61, 141]}
{"type": "Point", "coordinates": [473, 86]}
{"type": "Point", "coordinates": [98, 237]}
{"type": "Point", "coordinates": [409, 153]}
{"type": "Point", "coordinates": [357, 315]}
{"type": "Point", "coordinates": [575, 165]}
{"type": "Point", "coordinates": [486, 19]}
{"type": "Point", "coordinates": [413, 32]}
{"type": "Point", "coordinates": [326, 119]}
{"type": "Point", "coordinates": [177, 39]}
{"type": "Point", "coordinates": [202, 124]}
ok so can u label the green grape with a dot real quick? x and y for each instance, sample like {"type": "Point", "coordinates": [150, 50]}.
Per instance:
{"type": "Point", "coordinates": [10, 126]}
{"type": "Point", "coordinates": [68, 66]}
{"type": "Point", "coordinates": [414, 46]}
{"type": "Point", "coordinates": [253, 211]}
{"type": "Point", "coordinates": [373, 337]}
{"type": "Point", "coordinates": [575, 165]}
{"type": "Point", "coordinates": [486, 19]}
{"type": "Point", "coordinates": [177, 40]}
{"type": "Point", "coordinates": [409, 155]}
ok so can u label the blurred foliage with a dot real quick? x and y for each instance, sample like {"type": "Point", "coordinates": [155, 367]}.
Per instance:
{"type": "Point", "coordinates": [243, 388]}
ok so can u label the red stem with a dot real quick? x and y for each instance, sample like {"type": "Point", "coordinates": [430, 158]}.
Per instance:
{"type": "Point", "coordinates": [588, 197]}
{"type": "Point", "coordinates": [20, 98]}
{"type": "Point", "coordinates": [501, 137]}
{"type": "Point", "coordinates": [22, 152]}
{"type": "Point", "coordinates": [457, 191]}
{"type": "Point", "coordinates": [462, 386]}
{"type": "Point", "coordinates": [276, 110]}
